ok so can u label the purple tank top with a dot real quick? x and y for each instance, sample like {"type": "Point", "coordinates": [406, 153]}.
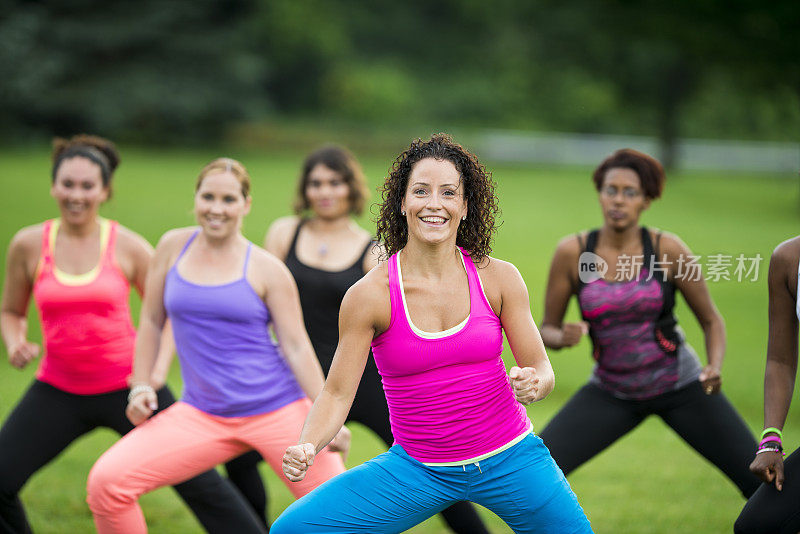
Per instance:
{"type": "Point", "coordinates": [230, 365]}
{"type": "Point", "coordinates": [634, 358]}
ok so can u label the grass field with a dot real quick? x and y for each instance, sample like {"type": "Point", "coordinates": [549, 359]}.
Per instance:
{"type": "Point", "coordinates": [648, 482]}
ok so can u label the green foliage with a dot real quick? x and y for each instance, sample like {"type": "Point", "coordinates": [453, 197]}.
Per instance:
{"type": "Point", "coordinates": [146, 70]}
{"type": "Point", "coordinates": [185, 70]}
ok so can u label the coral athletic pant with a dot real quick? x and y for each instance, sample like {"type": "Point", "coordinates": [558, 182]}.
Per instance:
{"type": "Point", "coordinates": [183, 441]}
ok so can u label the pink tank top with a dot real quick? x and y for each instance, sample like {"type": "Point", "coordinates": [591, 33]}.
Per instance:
{"type": "Point", "coordinates": [448, 393]}
{"type": "Point", "coordinates": [86, 322]}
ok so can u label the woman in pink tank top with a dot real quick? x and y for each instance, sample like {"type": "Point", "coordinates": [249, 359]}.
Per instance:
{"type": "Point", "coordinates": [434, 315]}
{"type": "Point", "coordinates": [79, 268]}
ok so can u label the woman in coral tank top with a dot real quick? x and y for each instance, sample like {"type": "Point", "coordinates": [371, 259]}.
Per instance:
{"type": "Point", "coordinates": [434, 315]}
{"type": "Point", "coordinates": [79, 269]}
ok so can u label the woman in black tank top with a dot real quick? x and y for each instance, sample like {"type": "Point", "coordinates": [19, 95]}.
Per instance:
{"type": "Point", "coordinates": [318, 245]}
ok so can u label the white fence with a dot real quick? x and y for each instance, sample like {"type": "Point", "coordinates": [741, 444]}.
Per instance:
{"type": "Point", "coordinates": [590, 149]}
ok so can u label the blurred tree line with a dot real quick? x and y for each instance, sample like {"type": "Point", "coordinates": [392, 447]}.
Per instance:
{"type": "Point", "coordinates": [183, 70]}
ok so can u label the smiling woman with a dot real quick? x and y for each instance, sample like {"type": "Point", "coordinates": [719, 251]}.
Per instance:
{"type": "Point", "coordinates": [242, 390]}
{"type": "Point", "coordinates": [436, 332]}
{"type": "Point", "coordinates": [79, 269]}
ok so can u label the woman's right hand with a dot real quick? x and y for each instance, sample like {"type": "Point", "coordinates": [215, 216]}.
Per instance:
{"type": "Point", "coordinates": [22, 353]}
{"type": "Point", "coordinates": [571, 333]}
{"type": "Point", "coordinates": [141, 407]}
{"type": "Point", "coordinates": [297, 459]}
{"type": "Point", "coordinates": [768, 466]}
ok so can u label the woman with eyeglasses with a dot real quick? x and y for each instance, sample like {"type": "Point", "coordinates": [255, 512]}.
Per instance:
{"type": "Point", "coordinates": [624, 277]}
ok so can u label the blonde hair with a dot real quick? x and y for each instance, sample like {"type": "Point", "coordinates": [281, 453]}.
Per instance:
{"type": "Point", "coordinates": [222, 165]}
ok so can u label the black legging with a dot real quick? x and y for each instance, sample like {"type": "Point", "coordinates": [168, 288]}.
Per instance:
{"type": "Point", "coordinates": [593, 419]}
{"type": "Point", "coordinates": [47, 420]}
{"type": "Point", "coordinates": [770, 511]}
{"type": "Point", "coordinates": [370, 409]}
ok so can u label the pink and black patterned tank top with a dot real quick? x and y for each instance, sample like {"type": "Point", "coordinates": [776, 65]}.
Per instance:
{"type": "Point", "coordinates": [640, 353]}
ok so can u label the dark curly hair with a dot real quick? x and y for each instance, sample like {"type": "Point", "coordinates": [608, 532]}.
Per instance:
{"type": "Point", "coordinates": [476, 232]}
{"type": "Point", "coordinates": [650, 172]}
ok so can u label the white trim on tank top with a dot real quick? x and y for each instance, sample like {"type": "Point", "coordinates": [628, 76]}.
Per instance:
{"type": "Point", "coordinates": [476, 459]}
{"type": "Point", "coordinates": [421, 333]}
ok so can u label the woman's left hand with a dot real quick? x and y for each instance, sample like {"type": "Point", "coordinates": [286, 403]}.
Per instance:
{"type": "Point", "coordinates": [710, 379]}
{"type": "Point", "coordinates": [525, 383]}
{"type": "Point", "coordinates": [341, 442]}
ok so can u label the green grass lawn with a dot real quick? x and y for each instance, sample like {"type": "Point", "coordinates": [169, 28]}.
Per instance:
{"type": "Point", "coordinates": [648, 482]}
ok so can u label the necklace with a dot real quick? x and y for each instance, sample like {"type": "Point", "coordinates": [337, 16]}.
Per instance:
{"type": "Point", "coordinates": [323, 250]}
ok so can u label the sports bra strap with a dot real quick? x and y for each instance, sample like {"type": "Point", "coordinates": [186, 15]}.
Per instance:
{"type": "Point", "coordinates": [581, 244]}
{"type": "Point", "coordinates": [45, 254]}
{"type": "Point", "coordinates": [591, 240]}
{"type": "Point", "coordinates": [647, 247]}
{"type": "Point", "coordinates": [111, 242]}
{"type": "Point", "coordinates": [186, 245]}
{"type": "Point", "coordinates": [292, 247]}
{"type": "Point", "coordinates": [246, 259]}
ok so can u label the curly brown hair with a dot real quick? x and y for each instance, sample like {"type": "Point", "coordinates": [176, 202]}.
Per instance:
{"type": "Point", "coordinates": [98, 150]}
{"type": "Point", "coordinates": [476, 232]}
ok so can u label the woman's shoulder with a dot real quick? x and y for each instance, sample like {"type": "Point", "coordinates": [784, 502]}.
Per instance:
{"type": "Point", "coordinates": [26, 245]}
{"type": "Point", "coordinates": [496, 271]}
{"type": "Point", "coordinates": [573, 244]}
{"type": "Point", "coordinates": [280, 233]}
{"type": "Point", "coordinates": [786, 257]}
{"type": "Point", "coordinates": [128, 240]}
{"type": "Point", "coordinates": [284, 225]}
{"type": "Point", "coordinates": [372, 290]}
{"type": "Point", "coordinates": [667, 243]}
{"type": "Point", "coordinates": [375, 280]}
{"type": "Point", "coordinates": [788, 250]}
{"type": "Point", "coordinates": [175, 239]}
{"type": "Point", "coordinates": [28, 237]}
{"type": "Point", "coordinates": [264, 258]}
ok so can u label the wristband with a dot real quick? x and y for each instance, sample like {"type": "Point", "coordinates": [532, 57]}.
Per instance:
{"type": "Point", "coordinates": [138, 389]}
{"type": "Point", "coordinates": [770, 449]}
{"type": "Point", "coordinates": [772, 429]}
{"type": "Point", "coordinates": [770, 439]}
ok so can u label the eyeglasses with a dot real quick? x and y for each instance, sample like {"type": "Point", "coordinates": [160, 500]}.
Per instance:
{"type": "Point", "coordinates": [628, 193]}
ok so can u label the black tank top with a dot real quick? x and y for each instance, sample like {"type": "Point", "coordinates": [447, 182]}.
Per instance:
{"type": "Point", "coordinates": [321, 294]}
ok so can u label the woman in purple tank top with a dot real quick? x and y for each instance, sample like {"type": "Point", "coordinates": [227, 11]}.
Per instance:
{"type": "Point", "coordinates": [242, 390]}
{"type": "Point", "coordinates": [434, 316]}
{"type": "Point", "coordinates": [624, 277]}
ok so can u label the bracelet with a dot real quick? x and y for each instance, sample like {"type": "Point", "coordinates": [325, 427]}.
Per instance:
{"type": "Point", "coordinates": [772, 429]}
{"type": "Point", "coordinates": [770, 439]}
{"type": "Point", "coordinates": [770, 449]}
{"type": "Point", "coordinates": [139, 388]}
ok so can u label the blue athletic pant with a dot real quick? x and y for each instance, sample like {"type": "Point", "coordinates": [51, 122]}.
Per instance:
{"type": "Point", "coordinates": [393, 492]}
